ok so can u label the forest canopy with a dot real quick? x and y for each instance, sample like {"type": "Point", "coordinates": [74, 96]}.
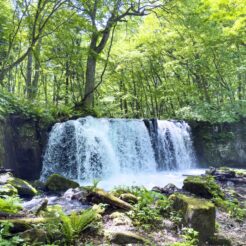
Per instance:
{"type": "Point", "coordinates": [124, 58]}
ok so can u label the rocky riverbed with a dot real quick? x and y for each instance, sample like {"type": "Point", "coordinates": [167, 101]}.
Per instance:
{"type": "Point", "coordinates": [208, 210]}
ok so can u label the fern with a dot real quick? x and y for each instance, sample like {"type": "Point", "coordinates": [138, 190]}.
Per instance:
{"type": "Point", "coordinates": [74, 224]}
{"type": "Point", "coordinates": [10, 205]}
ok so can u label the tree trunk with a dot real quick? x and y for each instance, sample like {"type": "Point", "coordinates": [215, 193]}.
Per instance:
{"type": "Point", "coordinates": [90, 81]}
{"type": "Point", "coordinates": [37, 71]}
{"type": "Point", "coordinates": [29, 75]}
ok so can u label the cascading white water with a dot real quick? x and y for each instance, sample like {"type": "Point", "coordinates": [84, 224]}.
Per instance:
{"type": "Point", "coordinates": [175, 145]}
{"type": "Point", "coordinates": [90, 148]}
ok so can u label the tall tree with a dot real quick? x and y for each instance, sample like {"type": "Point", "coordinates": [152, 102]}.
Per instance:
{"type": "Point", "coordinates": [102, 16]}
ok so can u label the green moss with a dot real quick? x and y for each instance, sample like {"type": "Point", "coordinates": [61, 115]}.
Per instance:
{"type": "Point", "coordinates": [204, 186]}
{"type": "Point", "coordinates": [194, 202]}
{"type": "Point", "coordinates": [207, 187]}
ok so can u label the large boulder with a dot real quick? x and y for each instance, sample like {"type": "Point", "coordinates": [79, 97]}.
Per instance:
{"type": "Point", "coordinates": [58, 183]}
{"type": "Point", "coordinates": [203, 186]}
{"type": "Point", "coordinates": [197, 213]}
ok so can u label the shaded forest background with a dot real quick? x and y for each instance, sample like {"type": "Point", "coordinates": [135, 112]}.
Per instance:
{"type": "Point", "coordinates": [172, 59]}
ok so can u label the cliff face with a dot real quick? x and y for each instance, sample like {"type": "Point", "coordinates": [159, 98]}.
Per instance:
{"type": "Point", "coordinates": [22, 141]}
{"type": "Point", "coordinates": [220, 144]}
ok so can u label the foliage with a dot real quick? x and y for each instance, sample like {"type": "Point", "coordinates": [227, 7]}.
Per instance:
{"type": "Point", "coordinates": [186, 60]}
{"type": "Point", "coordinates": [10, 205]}
{"type": "Point", "coordinates": [6, 239]}
{"type": "Point", "coordinates": [150, 209]}
{"type": "Point", "coordinates": [232, 206]}
{"type": "Point", "coordinates": [190, 237]}
{"type": "Point", "coordinates": [69, 227]}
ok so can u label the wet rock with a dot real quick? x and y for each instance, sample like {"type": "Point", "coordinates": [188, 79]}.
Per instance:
{"type": "Point", "coordinates": [128, 197]}
{"type": "Point", "coordinates": [8, 190]}
{"type": "Point", "coordinates": [101, 196]}
{"type": "Point", "coordinates": [168, 190]}
{"type": "Point", "coordinates": [34, 236]}
{"type": "Point", "coordinates": [78, 193]}
{"type": "Point", "coordinates": [228, 175]}
{"type": "Point", "coordinates": [222, 173]}
{"type": "Point", "coordinates": [58, 183]}
{"type": "Point", "coordinates": [23, 187]}
{"type": "Point", "coordinates": [126, 237]}
{"type": "Point", "coordinates": [197, 213]}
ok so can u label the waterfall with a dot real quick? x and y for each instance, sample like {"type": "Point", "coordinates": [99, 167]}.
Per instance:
{"type": "Point", "coordinates": [89, 148]}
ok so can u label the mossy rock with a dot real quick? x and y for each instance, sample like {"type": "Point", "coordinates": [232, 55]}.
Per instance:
{"type": "Point", "coordinates": [203, 186]}
{"type": "Point", "coordinates": [23, 187]}
{"type": "Point", "coordinates": [8, 190]}
{"type": "Point", "coordinates": [197, 213]}
{"type": "Point", "coordinates": [58, 183]}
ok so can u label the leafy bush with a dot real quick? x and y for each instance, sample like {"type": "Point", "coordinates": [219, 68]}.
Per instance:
{"type": "Point", "coordinates": [150, 209]}
{"type": "Point", "coordinates": [219, 198]}
{"type": "Point", "coordinates": [190, 237]}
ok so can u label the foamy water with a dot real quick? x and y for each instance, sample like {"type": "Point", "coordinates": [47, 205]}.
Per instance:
{"type": "Point", "coordinates": [148, 180]}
